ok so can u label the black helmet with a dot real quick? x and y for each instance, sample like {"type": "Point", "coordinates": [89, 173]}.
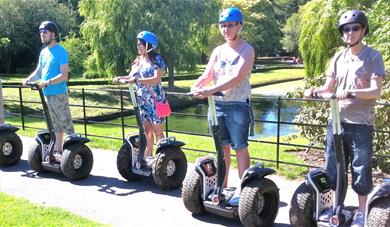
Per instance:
{"type": "Point", "coordinates": [353, 16]}
{"type": "Point", "coordinates": [50, 26]}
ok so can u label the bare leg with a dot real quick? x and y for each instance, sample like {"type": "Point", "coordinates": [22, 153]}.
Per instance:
{"type": "Point", "coordinates": [158, 132]}
{"type": "Point", "coordinates": [242, 161]}
{"type": "Point", "coordinates": [149, 138]}
{"type": "Point", "coordinates": [59, 139]}
{"type": "Point", "coordinates": [362, 203]}
{"type": "Point", "coordinates": [226, 151]}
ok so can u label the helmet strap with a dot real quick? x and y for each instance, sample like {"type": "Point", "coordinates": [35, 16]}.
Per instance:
{"type": "Point", "coordinates": [147, 51]}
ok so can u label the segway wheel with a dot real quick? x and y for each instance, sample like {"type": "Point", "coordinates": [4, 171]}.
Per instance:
{"type": "Point", "coordinates": [301, 210]}
{"type": "Point", "coordinates": [191, 193]}
{"type": "Point", "coordinates": [123, 164]}
{"type": "Point", "coordinates": [170, 168]}
{"type": "Point", "coordinates": [259, 203]}
{"type": "Point", "coordinates": [35, 157]}
{"type": "Point", "coordinates": [379, 214]}
{"type": "Point", "coordinates": [11, 149]}
{"type": "Point", "coordinates": [76, 161]}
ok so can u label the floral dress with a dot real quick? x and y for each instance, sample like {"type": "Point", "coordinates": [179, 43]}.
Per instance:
{"type": "Point", "coordinates": [147, 94]}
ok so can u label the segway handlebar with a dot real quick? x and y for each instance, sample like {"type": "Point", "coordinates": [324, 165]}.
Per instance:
{"type": "Point", "coordinates": [218, 93]}
{"type": "Point", "coordinates": [33, 85]}
{"type": "Point", "coordinates": [121, 81]}
{"type": "Point", "coordinates": [328, 96]}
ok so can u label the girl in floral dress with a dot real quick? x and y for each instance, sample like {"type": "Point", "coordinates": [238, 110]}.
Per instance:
{"type": "Point", "coordinates": [146, 73]}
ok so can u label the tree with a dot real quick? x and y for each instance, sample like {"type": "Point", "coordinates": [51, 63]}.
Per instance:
{"type": "Point", "coordinates": [261, 28]}
{"type": "Point", "coordinates": [19, 22]}
{"type": "Point", "coordinates": [111, 27]}
{"type": "Point", "coordinates": [291, 32]}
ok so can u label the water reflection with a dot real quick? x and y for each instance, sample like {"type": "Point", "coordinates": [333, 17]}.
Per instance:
{"type": "Point", "coordinates": [263, 110]}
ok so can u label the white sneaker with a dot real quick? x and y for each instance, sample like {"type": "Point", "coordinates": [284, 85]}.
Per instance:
{"type": "Point", "coordinates": [235, 198]}
{"type": "Point", "coordinates": [358, 220]}
{"type": "Point", "coordinates": [326, 215]}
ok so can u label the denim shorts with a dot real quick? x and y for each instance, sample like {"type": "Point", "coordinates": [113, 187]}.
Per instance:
{"type": "Point", "coordinates": [234, 119]}
{"type": "Point", "coordinates": [358, 148]}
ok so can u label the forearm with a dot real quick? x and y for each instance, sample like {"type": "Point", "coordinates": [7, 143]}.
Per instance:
{"type": "Point", "coordinates": [150, 81]}
{"type": "Point", "coordinates": [59, 78]}
{"type": "Point", "coordinates": [367, 93]}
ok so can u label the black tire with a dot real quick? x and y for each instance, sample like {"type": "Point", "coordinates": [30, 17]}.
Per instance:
{"type": "Point", "coordinates": [123, 164]}
{"type": "Point", "coordinates": [379, 214]}
{"type": "Point", "coordinates": [11, 149]}
{"type": "Point", "coordinates": [301, 210]}
{"type": "Point", "coordinates": [191, 193]}
{"type": "Point", "coordinates": [259, 203]}
{"type": "Point", "coordinates": [35, 157]}
{"type": "Point", "coordinates": [76, 161]}
{"type": "Point", "coordinates": [170, 168]}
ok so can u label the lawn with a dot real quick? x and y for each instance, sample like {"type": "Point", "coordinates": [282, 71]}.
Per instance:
{"type": "Point", "coordinates": [20, 212]}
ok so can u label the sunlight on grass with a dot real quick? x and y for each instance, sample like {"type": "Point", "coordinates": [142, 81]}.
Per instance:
{"type": "Point", "coordinates": [20, 212]}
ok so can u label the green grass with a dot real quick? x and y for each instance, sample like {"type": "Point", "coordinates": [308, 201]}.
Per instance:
{"type": "Point", "coordinates": [20, 212]}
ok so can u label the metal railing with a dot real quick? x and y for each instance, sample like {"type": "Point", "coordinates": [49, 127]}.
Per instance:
{"type": "Point", "coordinates": [121, 112]}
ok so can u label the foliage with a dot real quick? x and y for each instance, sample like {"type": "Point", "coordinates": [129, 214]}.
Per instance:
{"type": "Point", "coordinates": [291, 32]}
{"type": "Point", "coordinates": [110, 27]}
{"type": "Point", "coordinates": [319, 40]}
{"type": "Point", "coordinates": [261, 28]}
{"type": "Point", "coordinates": [19, 22]}
{"type": "Point", "coordinates": [78, 53]}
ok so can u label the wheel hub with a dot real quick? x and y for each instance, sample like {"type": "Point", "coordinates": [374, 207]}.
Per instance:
{"type": "Point", "coordinates": [77, 162]}
{"type": "Point", "coordinates": [6, 149]}
{"type": "Point", "coordinates": [171, 168]}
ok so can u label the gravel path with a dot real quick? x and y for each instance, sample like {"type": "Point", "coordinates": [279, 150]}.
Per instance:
{"type": "Point", "coordinates": [107, 198]}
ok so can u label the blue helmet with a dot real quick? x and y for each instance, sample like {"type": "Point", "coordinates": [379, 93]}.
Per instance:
{"type": "Point", "coordinates": [148, 37]}
{"type": "Point", "coordinates": [231, 14]}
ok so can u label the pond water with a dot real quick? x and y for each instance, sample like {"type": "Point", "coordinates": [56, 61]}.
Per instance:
{"type": "Point", "coordinates": [263, 110]}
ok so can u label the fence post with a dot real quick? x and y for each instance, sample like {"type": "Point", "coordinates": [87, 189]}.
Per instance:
{"type": "Point", "coordinates": [85, 114]}
{"type": "Point", "coordinates": [122, 116]}
{"type": "Point", "coordinates": [21, 106]}
{"type": "Point", "coordinates": [278, 134]}
{"type": "Point", "coordinates": [166, 127]}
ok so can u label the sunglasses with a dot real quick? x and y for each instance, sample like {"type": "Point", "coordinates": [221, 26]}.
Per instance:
{"type": "Point", "coordinates": [44, 31]}
{"type": "Point", "coordinates": [227, 25]}
{"type": "Point", "coordinates": [348, 29]}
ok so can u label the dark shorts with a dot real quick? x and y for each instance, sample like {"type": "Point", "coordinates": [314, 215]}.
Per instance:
{"type": "Point", "coordinates": [358, 147]}
{"type": "Point", "coordinates": [234, 120]}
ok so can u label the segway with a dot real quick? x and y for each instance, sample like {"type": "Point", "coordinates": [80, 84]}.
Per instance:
{"type": "Point", "coordinates": [10, 144]}
{"type": "Point", "coordinates": [312, 200]}
{"type": "Point", "coordinates": [167, 168]}
{"type": "Point", "coordinates": [11, 147]}
{"type": "Point", "coordinates": [202, 190]}
{"type": "Point", "coordinates": [76, 160]}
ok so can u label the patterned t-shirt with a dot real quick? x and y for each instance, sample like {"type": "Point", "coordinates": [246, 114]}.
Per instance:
{"type": "Point", "coordinates": [224, 69]}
